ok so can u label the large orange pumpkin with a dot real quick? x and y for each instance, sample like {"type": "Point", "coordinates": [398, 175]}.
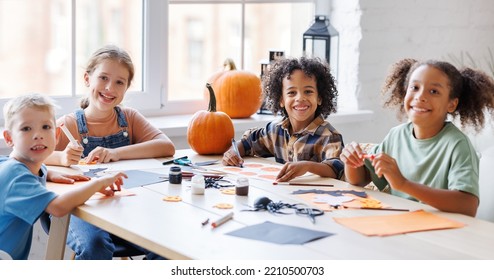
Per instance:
{"type": "Point", "coordinates": [210, 132]}
{"type": "Point", "coordinates": [238, 92]}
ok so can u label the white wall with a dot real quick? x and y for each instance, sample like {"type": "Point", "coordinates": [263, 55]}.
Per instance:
{"type": "Point", "coordinates": [376, 33]}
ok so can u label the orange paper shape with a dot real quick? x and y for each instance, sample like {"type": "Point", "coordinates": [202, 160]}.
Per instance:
{"type": "Point", "coordinates": [356, 203]}
{"type": "Point", "coordinates": [415, 221]}
{"type": "Point", "coordinates": [121, 193]}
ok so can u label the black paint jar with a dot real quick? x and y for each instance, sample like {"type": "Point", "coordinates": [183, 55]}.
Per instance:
{"type": "Point", "coordinates": [175, 175]}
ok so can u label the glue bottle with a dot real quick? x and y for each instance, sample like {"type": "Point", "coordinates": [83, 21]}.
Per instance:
{"type": "Point", "coordinates": [198, 184]}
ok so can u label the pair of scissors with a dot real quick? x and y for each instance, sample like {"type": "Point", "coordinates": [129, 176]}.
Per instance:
{"type": "Point", "coordinates": [187, 162]}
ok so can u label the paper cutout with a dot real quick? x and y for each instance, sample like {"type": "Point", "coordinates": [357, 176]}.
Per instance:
{"type": "Point", "coordinates": [368, 202]}
{"type": "Point", "coordinates": [172, 198]}
{"type": "Point", "coordinates": [415, 221]}
{"type": "Point", "coordinates": [279, 234]}
{"type": "Point", "coordinates": [230, 191]}
{"type": "Point", "coordinates": [135, 164]}
{"type": "Point", "coordinates": [139, 178]}
{"type": "Point", "coordinates": [83, 162]}
{"type": "Point", "coordinates": [362, 194]}
{"type": "Point", "coordinates": [365, 203]}
{"type": "Point", "coordinates": [121, 193]}
{"type": "Point", "coordinates": [314, 198]}
{"type": "Point", "coordinates": [264, 171]}
{"type": "Point", "coordinates": [65, 188]}
{"type": "Point", "coordinates": [136, 178]}
{"type": "Point", "coordinates": [223, 205]}
{"type": "Point", "coordinates": [93, 173]}
{"type": "Point", "coordinates": [331, 200]}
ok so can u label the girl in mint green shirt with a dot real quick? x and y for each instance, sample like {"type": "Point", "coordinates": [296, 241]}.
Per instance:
{"type": "Point", "coordinates": [428, 159]}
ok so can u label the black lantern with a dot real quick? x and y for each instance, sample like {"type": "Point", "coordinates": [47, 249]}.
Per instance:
{"type": "Point", "coordinates": [322, 40]}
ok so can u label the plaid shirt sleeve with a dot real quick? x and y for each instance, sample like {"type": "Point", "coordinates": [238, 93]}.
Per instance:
{"type": "Point", "coordinates": [258, 141]}
{"type": "Point", "coordinates": [321, 142]}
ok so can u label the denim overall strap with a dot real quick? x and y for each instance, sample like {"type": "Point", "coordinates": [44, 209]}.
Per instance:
{"type": "Point", "coordinates": [122, 122]}
{"type": "Point", "coordinates": [111, 141]}
{"type": "Point", "coordinates": [81, 122]}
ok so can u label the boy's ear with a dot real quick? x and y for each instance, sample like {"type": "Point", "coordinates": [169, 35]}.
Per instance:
{"type": "Point", "coordinates": [86, 79]}
{"type": "Point", "coordinates": [8, 138]}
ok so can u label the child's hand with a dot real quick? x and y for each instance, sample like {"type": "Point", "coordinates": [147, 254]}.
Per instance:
{"type": "Point", "coordinates": [103, 155]}
{"type": "Point", "coordinates": [386, 166]}
{"type": "Point", "coordinates": [71, 155]}
{"type": "Point", "coordinates": [230, 157]}
{"type": "Point", "coordinates": [291, 170]}
{"type": "Point", "coordinates": [111, 183]}
{"type": "Point", "coordinates": [352, 155]}
{"type": "Point", "coordinates": [62, 178]}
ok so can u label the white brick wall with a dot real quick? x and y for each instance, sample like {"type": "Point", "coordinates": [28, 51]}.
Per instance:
{"type": "Point", "coordinates": [376, 33]}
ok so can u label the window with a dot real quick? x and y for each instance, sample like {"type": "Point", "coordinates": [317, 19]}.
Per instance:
{"type": "Point", "coordinates": [176, 45]}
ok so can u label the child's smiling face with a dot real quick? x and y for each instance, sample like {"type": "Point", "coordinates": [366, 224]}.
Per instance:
{"type": "Point", "coordinates": [107, 84]}
{"type": "Point", "coordinates": [300, 99]}
{"type": "Point", "coordinates": [427, 100]}
{"type": "Point", "coordinates": [32, 136]}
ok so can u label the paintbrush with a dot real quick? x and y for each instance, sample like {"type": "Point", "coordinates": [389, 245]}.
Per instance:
{"type": "Point", "coordinates": [303, 184]}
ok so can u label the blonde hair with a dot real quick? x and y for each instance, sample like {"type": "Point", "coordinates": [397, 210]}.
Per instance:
{"type": "Point", "coordinates": [33, 101]}
{"type": "Point", "coordinates": [108, 52]}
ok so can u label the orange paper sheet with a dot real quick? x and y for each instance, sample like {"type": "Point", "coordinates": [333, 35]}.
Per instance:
{"type": "Point", "coordinates": [419, 220]}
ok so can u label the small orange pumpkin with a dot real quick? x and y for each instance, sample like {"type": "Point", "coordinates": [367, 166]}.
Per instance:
{"type": "Point", "coordinates": [210, 132]}
{"type": "Point", "coordinates": [238, 93]}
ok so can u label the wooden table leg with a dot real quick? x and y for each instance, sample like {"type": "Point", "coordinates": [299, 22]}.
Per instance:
{"type": "Point", "coordinates": [57, 238]}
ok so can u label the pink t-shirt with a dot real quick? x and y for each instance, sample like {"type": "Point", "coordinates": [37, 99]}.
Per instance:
{"type": "Point", "coordinates": [139, 129]}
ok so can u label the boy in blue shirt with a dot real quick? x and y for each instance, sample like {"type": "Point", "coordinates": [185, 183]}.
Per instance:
{"type": "Point", "coordinates": [31, 132]}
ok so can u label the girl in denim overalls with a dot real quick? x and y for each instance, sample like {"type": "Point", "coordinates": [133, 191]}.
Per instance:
{"type": "Point", "coordinates": [106, 132]}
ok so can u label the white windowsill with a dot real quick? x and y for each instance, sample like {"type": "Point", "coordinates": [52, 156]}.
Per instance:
{"type": "Point", "coordinates": [176, 126]}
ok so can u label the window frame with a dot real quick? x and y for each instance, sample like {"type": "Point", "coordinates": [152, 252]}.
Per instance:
{"type": "Point", "coordinates": [153, 99]}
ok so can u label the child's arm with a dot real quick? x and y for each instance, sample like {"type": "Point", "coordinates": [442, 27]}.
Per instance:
{"type": "Point", "coordinates": [65, 203]}
{"type": "Point", "coordinates": [445, 200]}
{"type": "Point", "coordinates": [63, 178]}
{"type": "Point", "coordinates": [69, 156]}
{"type": "Point", "coordinates": [294, 169]}
{"type": "Point", "coordinates": [455, 201]}
{"type": "Point", "coordinates": [161, 146]}
{"type": "Point", "coordinates": [355, 171]}
{"type": "Point", "coordinates": [231, 158]}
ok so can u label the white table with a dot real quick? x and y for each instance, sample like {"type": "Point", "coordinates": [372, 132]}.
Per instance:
{"type": "Point", "coordinates": [174, 230]}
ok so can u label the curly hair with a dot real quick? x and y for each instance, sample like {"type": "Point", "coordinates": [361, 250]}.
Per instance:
{"type": "Point", "coordinates": [272, 83]}
{"type": "Point", "coordinates": [473, 88]}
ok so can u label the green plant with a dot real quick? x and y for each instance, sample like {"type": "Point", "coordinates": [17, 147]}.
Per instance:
{"type": "Point", "coordinates": [465, 59]}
